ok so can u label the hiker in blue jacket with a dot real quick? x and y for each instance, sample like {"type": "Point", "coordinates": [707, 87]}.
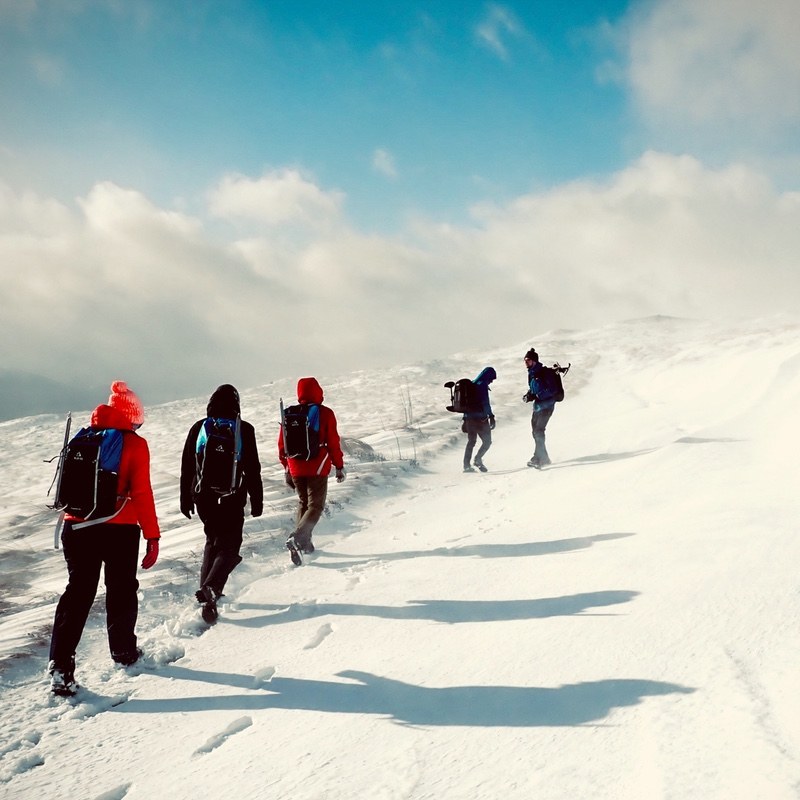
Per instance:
{"type": "Point", "coordinates": [543, 405]}
{"type": "Point", "coordinates": [479, 422]}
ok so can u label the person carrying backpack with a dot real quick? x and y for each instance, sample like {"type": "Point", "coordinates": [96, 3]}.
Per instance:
{"type": "Point", "coordinates": [108, 543]}
{"type": "Point", "coordinates": [219, 471]}
{"type": "Point", "coordinates": [544, 390]}
{"type": "Point", "coordinates": [308, 465]}
{"type": "Point", "coordinates": [479, 422]}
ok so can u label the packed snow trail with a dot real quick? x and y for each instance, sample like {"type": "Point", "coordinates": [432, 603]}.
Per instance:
{"type": "Point", "coordinates": [620, 625]}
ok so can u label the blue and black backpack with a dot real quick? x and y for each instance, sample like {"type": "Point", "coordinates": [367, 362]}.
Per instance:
{"type": "Point", "coordinates": [301, 431]}
{"type": "Point", "coordinates": [89, 473]}
{"type": "Point", "coordinates": [217, 455]}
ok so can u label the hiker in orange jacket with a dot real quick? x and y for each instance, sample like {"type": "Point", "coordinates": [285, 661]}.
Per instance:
{"type": "Point", "coordinates": [112, 544]}
{"type": "Point", "coordinates": [309, 478]}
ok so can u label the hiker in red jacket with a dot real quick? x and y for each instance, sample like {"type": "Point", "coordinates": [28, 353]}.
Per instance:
{"type": "Point", "coordinates": [309, 478]}
{"type": "Point", "coordinates": [112, 544]}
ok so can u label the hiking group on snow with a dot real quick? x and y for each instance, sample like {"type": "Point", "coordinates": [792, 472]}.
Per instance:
{"type": "Point", "coordinates": [105, 496]}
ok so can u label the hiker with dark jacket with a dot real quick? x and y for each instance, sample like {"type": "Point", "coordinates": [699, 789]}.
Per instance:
{"type": "Point", "coordinates": [111, 545]}
{"type": "Point", "coordinates": [543, 407]}
{"type": "Point", "coordinates": [480, 422]}
{"type": "Point", "coordinates": [222, 514]}
{"type": "Point", "coordinates": [309, 478]}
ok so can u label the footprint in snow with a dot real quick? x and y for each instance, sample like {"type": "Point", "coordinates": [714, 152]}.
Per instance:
{"type": "Point", "coordinates": [117, 793]}
{"type": "Point", "coordinates": [322, 634]}
{"type": "Point", "coordinates": [263, 676]}
{"type": "Point", "coordinates": [219, 739]}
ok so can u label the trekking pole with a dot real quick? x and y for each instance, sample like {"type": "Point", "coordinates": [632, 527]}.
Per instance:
{"type": "Point", "coordinates": [59, 471]}
{"type": "Point", "coordinates": [237, 449]}
{"type": "Point", "coordinates": [283, 425]}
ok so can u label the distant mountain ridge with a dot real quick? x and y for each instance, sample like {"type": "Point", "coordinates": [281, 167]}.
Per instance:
{"type": "Point", "coordinates": [23, 394]}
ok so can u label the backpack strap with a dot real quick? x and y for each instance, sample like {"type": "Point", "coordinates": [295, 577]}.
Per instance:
{"type": "Point", "coordinates": [88, 522]}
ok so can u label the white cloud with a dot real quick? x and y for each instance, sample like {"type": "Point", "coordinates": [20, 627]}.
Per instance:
{"type": "Point", "coordinates": [498, 24]}
{"type": "Point", "coordinates": [120, 287]}
{"type": "Point", "coordinates": [383, 162]}
{"type": "Point", "coordinates": [277, 198]}
{"type": "Point", "coordinates": [716, 64]}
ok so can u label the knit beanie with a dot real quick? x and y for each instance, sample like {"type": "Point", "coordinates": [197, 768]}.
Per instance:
{"type": "Point", "coordinates": [126, 402]}
{"type": "Point", "coordinates": [532, 355]}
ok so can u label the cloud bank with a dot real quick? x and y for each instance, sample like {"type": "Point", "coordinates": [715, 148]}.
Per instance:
{"type": "Point", "coordinates": [726, 70]}
{"type": "Point", "coordinates": [176, 303]}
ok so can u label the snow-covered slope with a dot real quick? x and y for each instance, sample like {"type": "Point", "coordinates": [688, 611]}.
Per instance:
{"type": "Point", "coordinates": [621, 625]}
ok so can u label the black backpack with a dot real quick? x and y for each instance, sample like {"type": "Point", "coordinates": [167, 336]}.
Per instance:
{"type": "Point", "coordinates": [463, 396]}
{"type": "Point", "coordinates": [301, 431]}
{"type": "Point", "coordinates": [218, 452]}
{"type": "Point", "coordinates": [89, 473]}
{"type": "Point", "coordinates": [550, 385]}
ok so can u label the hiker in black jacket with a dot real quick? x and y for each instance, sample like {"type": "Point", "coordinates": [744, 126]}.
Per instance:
{"type": "Point", "coordinates": [222, 514]}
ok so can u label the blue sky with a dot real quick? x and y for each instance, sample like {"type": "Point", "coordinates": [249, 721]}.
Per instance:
{"type": "Point", "coordinates": [281, 187]}
{"type": "Point", "coordinates": [465, 100]}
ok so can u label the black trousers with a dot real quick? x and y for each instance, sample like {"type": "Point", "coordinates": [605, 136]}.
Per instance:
{"type": "Point", "coordinates": [474, 429]}
{"type": "Point", "coordinates": [539, 422]}
{"type": "Point", "coordinates": [115, 549]}
{"type": "Point", "coordinates": [223, 523]}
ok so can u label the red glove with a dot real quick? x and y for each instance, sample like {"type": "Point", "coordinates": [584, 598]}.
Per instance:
{"type": "Point", "coordinates": [151, 555]}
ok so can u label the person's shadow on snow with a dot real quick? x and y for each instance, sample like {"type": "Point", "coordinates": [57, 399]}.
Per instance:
{"type": "Point", "coordinates": [492, 550]}
{"type": "Point", "coordinates": [446, 611]}
{"type": "Point", "coordinates": [476, 706]}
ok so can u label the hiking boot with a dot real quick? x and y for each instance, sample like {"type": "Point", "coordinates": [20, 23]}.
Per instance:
{"type": "Point", "coordinates": [534, 462]}
{"type": "Point", "coordinates": [127, 658]}
{"type": "Point", "coordinates": [209, 612]}
{"type": "Point", "coordinates": [468, 468]}
{"type": "Point", "coordinates": [480, 466]}
{"type": "Point", "coordinates": [308, 548]}
{"type": "Point", "coordinates": [294, 551]}
{"type": "Point", "coordinates": [62, 678]}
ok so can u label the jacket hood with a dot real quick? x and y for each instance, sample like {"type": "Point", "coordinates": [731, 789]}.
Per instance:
{"type": "Point", "coordinates": [224, 402]}
{"type": "Point", "coordinates": [107, 417]}
{"type": "Point", "coordinates": [487, 375]}
{"type": "Point", "coordinates": [309, 391]}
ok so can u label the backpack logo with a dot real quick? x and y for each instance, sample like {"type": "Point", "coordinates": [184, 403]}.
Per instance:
{"type": "Point", "coordinates": [217, 455]}
{"type": "Point", "coordinates": [300, 425]}
{"type": "Point", "coordinates": [463, 396]}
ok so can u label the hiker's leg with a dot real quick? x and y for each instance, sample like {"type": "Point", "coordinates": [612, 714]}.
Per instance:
{"type": "Point", "coordinates": [472, 437]}
{"type": "Point", "coordinates": [227, 544]}
{"type": "Point", "coordinates": [316, 493]}
{"type": "Point", "coordinates": [539, 423]}
{"type": "Point", "coordinates": [83, 568]}
{"type": "Point", "coordinates": [485, 432]}
{"type": "Point", "coordinates": [121, 557]}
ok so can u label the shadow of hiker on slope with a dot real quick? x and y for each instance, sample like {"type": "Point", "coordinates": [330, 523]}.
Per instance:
{"type": "Point", "coordinates": [492, 550]}
{"type": "Point", "coordinates": [445, 611]}
{"type": "Point", "coordinates": [475, 706]}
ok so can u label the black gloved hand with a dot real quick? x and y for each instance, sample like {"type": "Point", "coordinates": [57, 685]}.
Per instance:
{"type": "Point", "coordinates": [256, 510]}
{"type": "Point", "coordinates": [528, 397]}
{"type": "Point", "coordinates": [464, 426]}
{"type": "Point", "coordinates": [187, 507]}
{"type": "Point", "coordinates": [491, 422]}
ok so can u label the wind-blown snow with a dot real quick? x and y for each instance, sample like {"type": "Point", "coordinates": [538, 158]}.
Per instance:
{"type": "Point", "coordinates": [621, 625]}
